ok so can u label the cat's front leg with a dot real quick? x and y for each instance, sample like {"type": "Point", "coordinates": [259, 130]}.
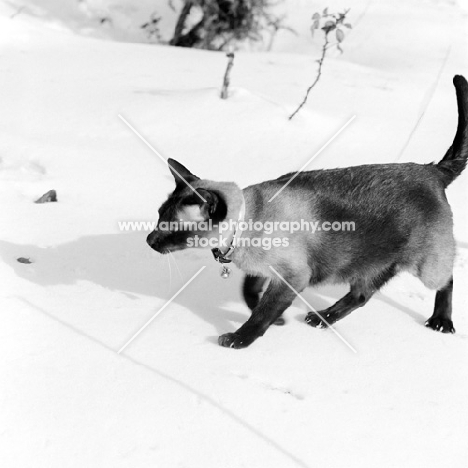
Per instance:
{"type": "Point", "coordinates": [276, 299]}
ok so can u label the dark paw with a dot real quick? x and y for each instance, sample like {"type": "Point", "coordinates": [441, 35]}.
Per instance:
{"type": "Point", "coordinates": [279, 321]}
{"type": "Point", "coordinates": [314, 320]}
{"type": "Point", "coordinates": [234, 340]}
{"type": "Point", "coordinates": [441, 325]}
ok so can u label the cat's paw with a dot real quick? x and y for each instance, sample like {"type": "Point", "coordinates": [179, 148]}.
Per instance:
{"type": "Point", "coordinates": [440, 325]}
{"type": "Point", "coordinates": [314, 320]}
{"type": "Point", "coordinates": [235, 340]}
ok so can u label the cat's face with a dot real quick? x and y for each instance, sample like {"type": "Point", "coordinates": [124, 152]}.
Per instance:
{"type": "Point", "coordinates": [181, 214]}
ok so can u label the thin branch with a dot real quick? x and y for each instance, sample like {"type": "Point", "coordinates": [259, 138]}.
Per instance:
{"type": "Point", "coordinates": [319, 73]}
{"type": "Point", "coordinates": [224, 90]}
{"type": "Point", "coordinates": [180, 25]}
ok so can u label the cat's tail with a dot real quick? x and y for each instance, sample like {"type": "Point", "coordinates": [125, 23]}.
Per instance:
{"type": "Point", "coordinates": [454, 161]}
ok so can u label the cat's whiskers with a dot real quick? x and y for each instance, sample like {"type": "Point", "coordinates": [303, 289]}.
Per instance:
{"type": "Point", "coordinates": [170, 273]}
{"type": "Point", "coordinates": [177, 266]}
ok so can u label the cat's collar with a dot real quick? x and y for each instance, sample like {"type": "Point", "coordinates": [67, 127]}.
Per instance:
{"type": "Point", "coordinates": [224, 257]}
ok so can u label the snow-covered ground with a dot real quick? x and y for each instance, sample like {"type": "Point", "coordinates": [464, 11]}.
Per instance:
{"type": "Point", "coordinates": [298, 397]}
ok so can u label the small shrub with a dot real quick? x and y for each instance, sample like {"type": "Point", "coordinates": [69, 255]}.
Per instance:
{"type": "Point", "coordinates": [326, 22]}
{"type": "Point", "coordinates": [221, 23]}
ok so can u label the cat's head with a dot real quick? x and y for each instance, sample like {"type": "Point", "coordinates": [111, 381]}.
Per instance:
{"type": "Point", "coordinates": [194, 206]}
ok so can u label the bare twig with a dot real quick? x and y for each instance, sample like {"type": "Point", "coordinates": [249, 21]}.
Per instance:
{"type": "Point", "coordinates": [179, 27]}
{"type": "Point", "coordinates": [277, 24]}
{"type": "Point", "coordinates": [319, 73]}
{"type": "Point", "coordinates": [224, 90]}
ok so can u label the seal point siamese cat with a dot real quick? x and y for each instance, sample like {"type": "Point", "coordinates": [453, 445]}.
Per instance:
{"type": "Point", "coordinates": [403, 222]}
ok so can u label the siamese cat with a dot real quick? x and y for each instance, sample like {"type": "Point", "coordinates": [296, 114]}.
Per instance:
{"type": "Point", "coordinates": [402, 220]}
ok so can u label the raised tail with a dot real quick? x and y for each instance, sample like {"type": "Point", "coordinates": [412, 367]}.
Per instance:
{"type": "Point", "coordinates": [454, 161]}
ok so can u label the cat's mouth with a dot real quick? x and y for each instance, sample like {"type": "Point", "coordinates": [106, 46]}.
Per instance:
{"type": "Point", "coordinates": [166, 244]}
{"type": "Point", "coordinates": [162, 250]}
{"type": "Point", "coordinates": [157, 248]}
{"type": "Point", "coordinates": [155, 244]}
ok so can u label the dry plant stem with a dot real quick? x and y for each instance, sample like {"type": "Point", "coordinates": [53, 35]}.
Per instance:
{"type": "Point", "coordinates": [319, 73]}
{"type": "Point", "coordinates": [272, 39]}
{"type": "Point", "coordinates": [181, 22]}
{"type": "Point", "coordinates": [224, 90]}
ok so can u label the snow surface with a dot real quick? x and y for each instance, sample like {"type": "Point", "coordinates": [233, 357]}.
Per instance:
{"type": "Point", "coordinates": [298, 397]}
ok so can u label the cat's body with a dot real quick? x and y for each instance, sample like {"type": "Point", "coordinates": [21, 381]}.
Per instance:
{"type": "Point", "coordinates": [400, 214]}
{"type": "Point", "coordinates": [402, 221]}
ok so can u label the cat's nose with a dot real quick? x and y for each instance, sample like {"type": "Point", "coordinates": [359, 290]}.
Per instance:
{"type": "Point", "coordinates": [153, 240]}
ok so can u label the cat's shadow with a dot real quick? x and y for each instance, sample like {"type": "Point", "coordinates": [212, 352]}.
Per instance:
{"type": "Point", "coordinates": [124, 262]}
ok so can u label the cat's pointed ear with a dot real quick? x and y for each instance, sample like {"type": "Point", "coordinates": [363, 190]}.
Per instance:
{"type": "Point", "coordinates": [181, 174]}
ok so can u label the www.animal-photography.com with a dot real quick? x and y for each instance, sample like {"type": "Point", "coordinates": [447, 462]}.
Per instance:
{"type": "Point", "coordinates": [234, 234]}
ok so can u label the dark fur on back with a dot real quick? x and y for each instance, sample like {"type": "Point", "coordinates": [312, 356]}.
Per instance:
{"type": "Point", "coordinates": [386, 203]}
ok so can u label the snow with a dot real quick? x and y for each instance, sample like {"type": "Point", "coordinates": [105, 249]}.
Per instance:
{"type": "Point", "coordinates": [174, 398]}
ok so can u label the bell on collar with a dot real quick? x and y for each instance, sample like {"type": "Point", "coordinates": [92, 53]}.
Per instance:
{"type": "Point", "coordinates": [225, 272]}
